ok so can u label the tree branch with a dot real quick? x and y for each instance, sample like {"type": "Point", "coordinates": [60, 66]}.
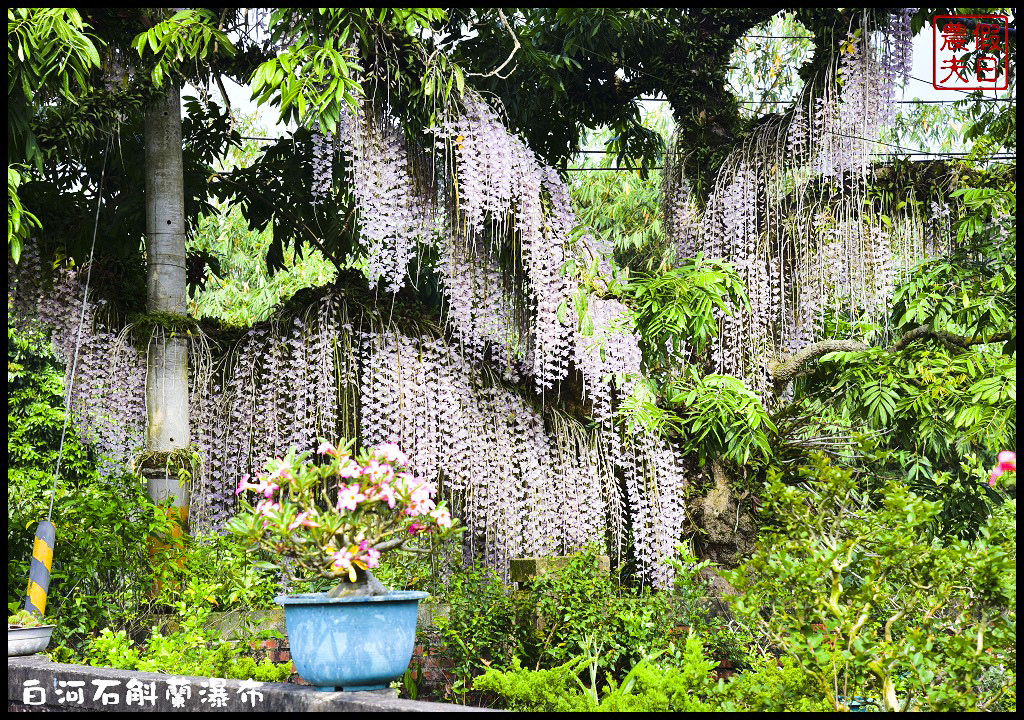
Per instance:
{"type": "Point", "coordinates": [515, 49]}
{"type": "Point", "coordinates": [788, 367]}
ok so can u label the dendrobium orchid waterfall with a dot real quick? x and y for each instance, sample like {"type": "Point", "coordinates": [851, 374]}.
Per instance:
{"type": "Point", "coordinates": [471, 401]}
{"type": "Point", "coordinates": [791, 212]}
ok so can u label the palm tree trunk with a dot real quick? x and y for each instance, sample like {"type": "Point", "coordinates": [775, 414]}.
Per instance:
{"type": "Point", "coordinates": [167, 373]}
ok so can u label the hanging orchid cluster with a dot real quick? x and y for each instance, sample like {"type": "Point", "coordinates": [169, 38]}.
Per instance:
{"type": "Point", "coordinates": [322, 165]}
{"type": "Point", "coordinates": [612, 351]}
{"type": "Point", "coordinates": [502, 197]}
{"type": "Point", "coordinates": [107, 401]}
{"type": "Point", "coordinates": [524, 480]}
{"type": "Point", "coordinates": [790, 211]}
{"type": "Point", "coordinates": [391, 213]}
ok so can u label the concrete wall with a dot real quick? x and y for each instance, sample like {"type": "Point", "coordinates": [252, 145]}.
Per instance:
{"type": "Point", "coordinates": [35, 684]}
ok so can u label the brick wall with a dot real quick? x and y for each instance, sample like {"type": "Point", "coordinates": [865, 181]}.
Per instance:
{"type": "Point", "coordinates": [429, 666]}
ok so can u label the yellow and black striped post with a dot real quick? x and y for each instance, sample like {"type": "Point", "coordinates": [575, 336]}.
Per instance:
{"type": "Point", "coordinates": [39, 571]}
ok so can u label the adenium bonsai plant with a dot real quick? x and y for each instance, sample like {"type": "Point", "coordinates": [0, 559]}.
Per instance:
{"type": "Point", "coordinates": [334, 518]}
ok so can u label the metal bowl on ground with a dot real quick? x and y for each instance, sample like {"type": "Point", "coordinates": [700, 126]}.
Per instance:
{"type": "Point", "coordinates": [28, 640]}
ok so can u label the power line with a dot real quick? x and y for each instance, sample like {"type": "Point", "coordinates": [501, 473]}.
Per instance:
{"type": "Point", "coordinates": [889, 154]}
{"type": "Point", "coordinates": [900, 102]}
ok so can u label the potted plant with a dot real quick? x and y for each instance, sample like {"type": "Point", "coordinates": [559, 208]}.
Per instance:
{"type": "Point", "coordinates": [26, 634]}
{"type": "Point", "coordinates": [333, 517]}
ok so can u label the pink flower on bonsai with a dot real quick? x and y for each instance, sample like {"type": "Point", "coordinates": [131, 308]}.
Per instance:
{"type": "Point", "coordinates": [443, 518]}
{"type": "Point", "coordinates": [327, 448]}
{"type": "Point", "coordinates": [243, 485]}
{"type": "Point", "coordinates": [386, 492]}
{"type": "Point", "coordinates": [371, 556]}
{"type": "Point", "coordinates": [303, 520]}
{"type": "Point", "coordinates": [349, 497]}
{"type": "Point", "coordinates": [349, 469]}
{"type": "Point", "coordinates": [379, 471]}
{"type": "Point", "coordinates": [1007, 463]}
{"type": "Point", "coordinates": [343, 560]}
{"type": "Point", "coordinates": [334, 514]}
{"type": "Point", "coordinates": [392, 453]}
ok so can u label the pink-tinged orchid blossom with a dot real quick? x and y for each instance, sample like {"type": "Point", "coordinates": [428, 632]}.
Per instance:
{"type": "Point", "coordinates": [392, 453]}
{"type": "Point", "coordinates": [327, 448]}
{"type": "Point", "coordinates": [1007, 463]}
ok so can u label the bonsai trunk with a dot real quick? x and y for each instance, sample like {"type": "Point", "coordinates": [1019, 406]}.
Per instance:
{"type": "Point", "coordinates": [366, 584]}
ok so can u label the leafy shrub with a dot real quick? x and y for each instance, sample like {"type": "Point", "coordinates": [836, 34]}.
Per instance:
{"type": "Point", "coordinates": [482, 629]}
{"type": "Point", "coordinates": [577, 611]}
{"type": "Point", "coordinates": [191, 650]}
{"type": "Point", "coordinates": [230, 576]}
{"type": "Point", "coordinates": [772, 685]}
{"type": "Point", "coordinates": [25, 619]}
{"type": "Point", "coordinates": [862, 598]}
{"type": "Point", "coordinates": [650, 687]}
{"type": "Point", "coordinates": [555, 689]}
{"type": "Point", "coordinates": [101, 573]}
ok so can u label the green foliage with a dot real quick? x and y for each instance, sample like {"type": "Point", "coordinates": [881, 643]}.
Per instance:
{"type": "Point", "coordinates": [242, 292]}
{"type": "Point", "coordinates": [941, 401]}
{"type": "Point", "coordinates": [218, 570]}
{"type": "Point", "coordinates": [314, 78]}
{"type": "Point", "coordinates": [550, 690]}
{"type": "Point", "coordinates": [23, 618]}
{"type": "Point", "coordinates": [722, 418]}
{"type": "Point", "coordinates": [763, 69]}
{"type": "Point", "coordinates": [622, 209]}
{"type": "Point", "coordinates": [190, 35]}
{"type": "Point", "coordinates": [676, 307]}
{"type": "Point", "coordinates": [191, 650]}
{"type": "Point", "coordinates": [771, 686]}
{"type": "Point", "coordinates": [49, 56]}
{"type": "Point", "coordinates": [482, 628]}
{"type": "Point", "coordinates": [713, 415]}
{"type": "Point", "coordinates": [19, 220]}
{"type": "Point", "coordinates": [101, 573]}
{"type": "Point", "coordinates": [973, 290]}
{"type": "Point", "coordinates": [574, 617]}
{"type": "Point", "coordinates": [931, 127]}
{"type": "Point", "coordinates": [580, 610]}
{"type": "Point", "coordinates": [850, 585]}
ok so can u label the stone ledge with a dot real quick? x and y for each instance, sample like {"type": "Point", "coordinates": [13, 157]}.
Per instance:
{"type": "Point", "coordinates": [35, 683]}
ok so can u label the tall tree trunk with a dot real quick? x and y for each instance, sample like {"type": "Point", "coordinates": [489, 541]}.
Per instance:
{"type": "Point", "coordinates": [167, 372]}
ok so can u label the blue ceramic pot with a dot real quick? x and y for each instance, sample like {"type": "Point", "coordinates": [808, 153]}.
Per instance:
{"type": "Point", "coordinates": [354, 643]}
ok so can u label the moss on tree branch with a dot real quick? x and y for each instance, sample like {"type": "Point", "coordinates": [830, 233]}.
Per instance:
{"type": "Point", "coordinates": [788, 367]}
